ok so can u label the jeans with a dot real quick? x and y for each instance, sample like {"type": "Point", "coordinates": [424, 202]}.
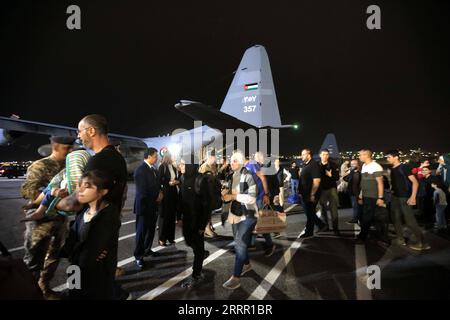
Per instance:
{"type": "Point", "coordinates": [242, 233]}
{"type": "Point", "coordinates": [369, 206]}
{"type": "Point", "coordinates": [311, 216]}
{"type": "Point", "coordinates": [294, 186]}
{"type": "Point", "coordinates": [330, 198]}
{"type": "Point", "coordinates": [357, 208]}
{"type": "Point", "coordinates": [401, 210]}
{"type": "Point", "coordinates": [440, 215]}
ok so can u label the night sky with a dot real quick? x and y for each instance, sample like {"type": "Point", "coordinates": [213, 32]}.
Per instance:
{"type": "Point", "coordinates": [133, 61]}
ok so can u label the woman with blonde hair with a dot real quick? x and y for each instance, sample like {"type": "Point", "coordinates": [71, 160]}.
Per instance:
{"type": "Point", "coordinates": [169, 181]}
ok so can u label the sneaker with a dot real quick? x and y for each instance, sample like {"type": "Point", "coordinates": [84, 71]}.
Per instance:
{"type": "Point", "coordinates": [323, 228]}
{"type": "Point", "coordinates": [352, 221]}
{"type": "Point", "coordinates": [246, 268]}
{"type": "Point", "coordinates": [140, 264]}
{"type": "Point", "coordinates": [269, 252]}
{"type": "Point", "coordinates": [232, 283]}
{"type": "Point", "coordinates": [209, 232]}
{"type": "Point", "coordinates": [306, 236]}
{"type": "Point", "coordinates": [120, 272]}
{"type": "Point", "coordinates": [125, 295]}
{"type": "Point", "coordinates": [419, 246]}
{"type": "Point", "coordinates": [48, 293]}
{"type": "Point", "coordinates": [192, 281]}
{"type": "Point", "coordinates": [276, 235]}
{"type": "Point", "coordinates": [151, 253]}
{"type": "Point", "coordinates": [399, 242]}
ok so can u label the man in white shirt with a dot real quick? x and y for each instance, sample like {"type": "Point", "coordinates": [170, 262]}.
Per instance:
{"type": "Point", "coordinates": [372, 192]}
{"type": "Point", "coordinates": [242, 216]}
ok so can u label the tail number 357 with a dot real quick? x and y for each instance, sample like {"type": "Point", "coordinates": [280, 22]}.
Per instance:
{"type": "Point", "coordinates": [250, 108]}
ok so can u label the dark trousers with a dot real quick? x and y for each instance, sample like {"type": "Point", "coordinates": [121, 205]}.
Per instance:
{"type": "Point", "coordinates": [311, 217]}
{"type": "Point", "coordinates": [368, 214]}
{"type": "Point", "coordinates": [329, 199]}
{"type": "Point", "coordinates": [401, 211]}
{"type": "Point", "coordinates": [168, 215]}
{"type": "Point", "coordinates": [196, 240]}
{"type": "Point", "coordinates": [145, 232]}
{"type": "Point", "coordinates": [357, 208]}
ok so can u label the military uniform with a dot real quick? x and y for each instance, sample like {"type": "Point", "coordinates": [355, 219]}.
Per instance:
{"type": "Point", "coordinates": [43, 238]}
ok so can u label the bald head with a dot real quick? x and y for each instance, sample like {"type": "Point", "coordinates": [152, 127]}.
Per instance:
{"type": "Point", "coordinates": [98, 122]}
{"type": "Point", "coordinates": [93, 132]}
{"type": "Point", "coordinates": [259, 157]}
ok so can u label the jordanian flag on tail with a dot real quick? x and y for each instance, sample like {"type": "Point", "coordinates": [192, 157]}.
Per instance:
{"type": "Point", "coordinates": [251, 86]}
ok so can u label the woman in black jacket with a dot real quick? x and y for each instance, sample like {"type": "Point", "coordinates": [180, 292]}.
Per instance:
{"type": "Point", "coordinates": [93, 238]}
{"type": "Point", "coordinates": [168, 209]}
{"type": "Point", "coordinates": [195, 218]}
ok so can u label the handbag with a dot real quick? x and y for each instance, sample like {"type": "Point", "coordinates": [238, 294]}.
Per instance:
{"type": "Point", "coordinates": [270, 221]}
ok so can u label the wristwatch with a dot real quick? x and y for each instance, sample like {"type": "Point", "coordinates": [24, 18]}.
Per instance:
{"type": "Point", "coordinates": [380, 198]}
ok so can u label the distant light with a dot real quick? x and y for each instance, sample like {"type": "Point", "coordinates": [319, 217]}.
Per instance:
{"type": "Point", "coordinates": [296, 126]}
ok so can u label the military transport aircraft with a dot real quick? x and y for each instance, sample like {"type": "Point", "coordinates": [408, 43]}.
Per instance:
{"type": "Point", "coordinates": [250, 103]}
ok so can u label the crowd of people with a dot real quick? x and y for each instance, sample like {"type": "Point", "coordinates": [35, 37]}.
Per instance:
{"type": "Point", "coordinates": [92, 187]}
{"type": "Point", "coordinates": [400, 195]}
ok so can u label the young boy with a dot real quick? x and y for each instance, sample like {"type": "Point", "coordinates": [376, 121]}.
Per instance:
{"type": "Point", "coordinates": [440, 202]}
{"type": "Point", "coordinates": [63, 184]}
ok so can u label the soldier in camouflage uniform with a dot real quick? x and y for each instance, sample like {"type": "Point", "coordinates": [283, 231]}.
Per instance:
{"type": "Point", "coordinates": [44, 238]}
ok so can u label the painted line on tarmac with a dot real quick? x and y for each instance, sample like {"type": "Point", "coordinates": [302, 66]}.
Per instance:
{"type": "Point", "coordinates": [267, 283]}
{"type": "Point", "coordinates": [179, 277]}
{"type": "Point", "coordinates": [186, 273]}
{"type": "Point", "coordinates": [362, 292]}
{"type": "Point", "coordinates": [16, 249]}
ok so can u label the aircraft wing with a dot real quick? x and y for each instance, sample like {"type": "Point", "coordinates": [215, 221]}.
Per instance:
{"type": "Point", "coordinates": [215, 118]}
{"type": "Point", "coordinates": [25, 126]}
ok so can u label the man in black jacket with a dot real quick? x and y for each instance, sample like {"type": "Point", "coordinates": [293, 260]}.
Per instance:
{"type": "Point", "coordinates": [309, 191]}
{"type": "Point", "coordinates": [329, 174]}
{"type": "Point", "coordinates": [148, 195]}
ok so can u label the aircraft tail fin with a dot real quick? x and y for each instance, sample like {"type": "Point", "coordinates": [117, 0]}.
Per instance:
{"type": "Point", "coordinates": [251, 97]}
{"type": "Point", "coordinates": [330, 143]}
